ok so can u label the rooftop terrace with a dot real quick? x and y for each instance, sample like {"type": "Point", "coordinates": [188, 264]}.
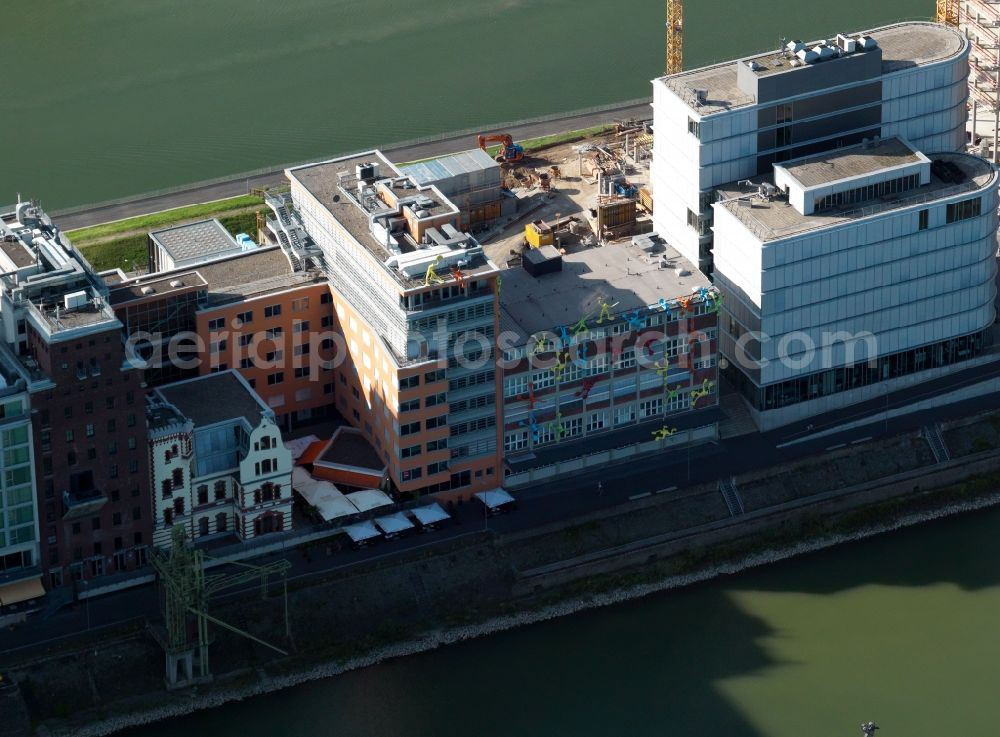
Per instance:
{"type": "Point", "coordinates": [852, 161]}
{"type": "Point", "coordinates": [335, 185]}
{"type": "Point", "coordinates": [242, 276]}
{"type": "Point", "coordinates": [777, 219]}
{"type": "Point", "coordinates": [623, 275]}
{"type": "Point", "coordinates": [903, 45]}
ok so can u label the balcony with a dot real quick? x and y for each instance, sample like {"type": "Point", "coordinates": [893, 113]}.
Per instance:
{"type": "Point", "coordinates": [82, 503]}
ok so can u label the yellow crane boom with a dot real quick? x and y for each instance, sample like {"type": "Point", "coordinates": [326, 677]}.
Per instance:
{"type": "Point", "coordinates": [948, 12]}
{"type": "Point", "coordinates": [675, 36]}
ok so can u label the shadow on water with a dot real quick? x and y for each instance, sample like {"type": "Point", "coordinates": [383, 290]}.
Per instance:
{"type": "Point", "coordinates": [816, 644]}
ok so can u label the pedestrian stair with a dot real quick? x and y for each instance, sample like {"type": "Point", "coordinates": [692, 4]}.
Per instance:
{"type": "Point", "coordinates": [732, 496]}
{"type": "Point", "coordinates": [932, 433]}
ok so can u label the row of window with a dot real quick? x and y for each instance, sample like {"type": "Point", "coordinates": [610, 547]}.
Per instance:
{"type": "Point", "coordinates": [602, 419]}
{"type": "Point", "coordinates": [270, 311]}
{"type": "Point", "coordinates": [869, 192]}
{"type": "Point", "coordinates": [431, 377]}
{"type": "Point", "coordinates": [412, 428]}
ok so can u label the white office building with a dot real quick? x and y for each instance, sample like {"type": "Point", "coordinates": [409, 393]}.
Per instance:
{"type": "Point", "coordinates": [733, 121]}
{"type": "Point", "coordinates": [849, 274]}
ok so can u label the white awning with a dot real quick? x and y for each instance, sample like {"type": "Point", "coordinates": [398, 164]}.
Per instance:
{"type": "Point", "coordinates": [15, 593]}
{"type": "Point", "coordinates": [361, 531]}
{"type": "Point", "coordinates": [326, 499]}
{"type": "Point", "coordinates": [494, 498]}
{"type": "Point", "coordinates": [300, 477]}
{"type": "Point", "coordinates": [367, 499]}
{"type": "Point", "coordinates": [429, 515]}
{"type": "Point", "coordinates": [299, 445]}
{"type": "Point", "coordinates": [394, 523]}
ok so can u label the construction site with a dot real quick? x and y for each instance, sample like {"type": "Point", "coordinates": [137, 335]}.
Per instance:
{"type": "Point", "coordinates": [576, 195]}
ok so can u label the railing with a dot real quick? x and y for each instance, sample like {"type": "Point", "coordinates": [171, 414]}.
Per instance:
{"type": "Point", "coordinates": [764, 232]}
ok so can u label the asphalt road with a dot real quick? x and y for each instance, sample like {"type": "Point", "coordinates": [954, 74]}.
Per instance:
{"type": "Point", "coordinates": [238, 185]}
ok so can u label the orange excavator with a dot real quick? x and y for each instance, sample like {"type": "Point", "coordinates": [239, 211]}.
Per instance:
{"type": "Point", "coordinates": [509, 151]}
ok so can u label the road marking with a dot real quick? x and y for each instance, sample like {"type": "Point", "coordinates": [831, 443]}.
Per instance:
{"type": "Point", "coordinates": [639, 496]}
{"type": "Point", "coordinates": [669, 488]}
{"type": "Point", "coordinates": [838, 445]}
{"type": "Point", "coordinates": [861, 440]}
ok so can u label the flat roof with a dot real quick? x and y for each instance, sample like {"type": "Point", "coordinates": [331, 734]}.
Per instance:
{"type": "Point", "coordinates": [852, 161]}
{"type": "Point", "coordinates": [204, 239]}
{"type": "Point", "coordinates": [444, 167]}
{"type": "Point", "coordinates": [207, 400]}
{"type": "Point", "coordinates": [778, 219]}
{"type": "Point", "coordinates": [323, 181]}
{"type": "Point", "coordinates": [903, 45]}
{"type": "Point", "coordinates": [235, 278]}
{"type": "Point", "coordinates": [619, 274]}
{"type": "Point", "coordinates": [348, 447]}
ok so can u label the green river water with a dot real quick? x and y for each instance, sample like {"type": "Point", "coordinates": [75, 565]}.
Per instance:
{"type": "Point", "coordinates": [107, 98]}
{"type": "Point", "coordinates": [901, 629]}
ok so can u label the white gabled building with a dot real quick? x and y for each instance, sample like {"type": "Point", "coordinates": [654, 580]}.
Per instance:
{"type": "Point", "coordinates": [216, 460]}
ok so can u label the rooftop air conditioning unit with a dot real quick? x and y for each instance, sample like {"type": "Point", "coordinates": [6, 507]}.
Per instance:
{"type": "Point", "coordinates": [147, 290]}
{"type": "Point", "coordinates": [74, 300]}
{"type": "Point", "coordinates": [176, 283]}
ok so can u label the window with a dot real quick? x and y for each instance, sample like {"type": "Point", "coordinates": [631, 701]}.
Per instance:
{"type": "Point", "coordinates": [69, 436]}
{"type": "Point", "coordinates": [694, 128]}
{"type": "Point", "coordinates": [434, 445]}
{"type": "Point", "coordinates": [783, 113]}
{"type": "Point", "coordinates": [433, 422]}
{"type": "Point", "coordinates": [131, 442]}
{"type": "Point", "coordinates": [325, 298]}
{"type": "Point", "coordinates": [220, 490]}
{"type": "Point", "coordinates": [168, 516]}
{"type": "Point", "coordinates": [651, 407]}
{"type": "Point", "coordinates": [220, 522]}
{"type": "Point", "coordinates": [272, 310]}
{"type": "Point", "coordinates": [130, 420]}
{"type": "Point", "coordinates": [922, 219]}
{"type": "Point", "coordinates": [439, 467]}
{"type": "Point", "coordinates": [697, 222]}
{"type": "Point", "coordinates": [409, 428]}
{"type": "Point", "coordinates": [431, 376]}
{"type": "Point", "coordinates": [514, 385]}
{"type": "Point", "coordinates": [543, 379]}
{"type": "Point", "coordinates": [203, 494]}
{"type": "Point", "coordinates": [298, 305]}
{"type": "Point", "coordinates": [90, 430]}
{"type": "Point", "coordinates": [409, 405]}
{"type": "Point", "coordinates": [300, 326]}
{"type": "Point", "coordinates": [625, 360]}
{"type": "Point", "coordinates": [244, 317]}
{"type": "Point", "coordinates": [273, 333]}
{"type": "Point", "coordinates": [217, 323]}
{"type": "Point", "coordinates": [435, 399]}
{"type": "Point", "coordinates": [516, 440]}
{"type": "Point", "coordinates": [409, 382]}
{"type": "Point", "coordinates": [411, 452]}
{"type": "Point", "coordinates": [783, 136]}
{"type": "Point", "coordinates": [276, 378]}
{"type": "Point", "coordinates": [624, 415]}
{"type": "Point", "coordinates": [597, 421]}
{"type": "Point", "coordinates": [964, 210]}
{"type": "Point", "coordinates": [301, 350]}
{"type": "Point", "coordinates": [410, 474]}
{"type": "Point", "coordinates": [302, 372]}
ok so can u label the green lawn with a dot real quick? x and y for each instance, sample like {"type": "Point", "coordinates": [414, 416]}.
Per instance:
{"type": "Point", "coordinates": [165, 218]}
{"type": "Point", "coordinates": [536, 144]}
{"type": "Point", "coordinates": [130, 252]}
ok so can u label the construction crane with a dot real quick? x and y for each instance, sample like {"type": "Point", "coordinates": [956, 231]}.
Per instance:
{"type": "Point", "coordinates": [509, 151]}
{"type": "Point", "coordinates": [948, 12]}
{"type": "Point", "coordinates": [185, 590]}
{"type": "Point", "coordinates": [675, 36]}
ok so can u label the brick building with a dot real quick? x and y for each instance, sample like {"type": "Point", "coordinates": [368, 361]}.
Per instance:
{"type": "Point", "coordinates": [89, 434]}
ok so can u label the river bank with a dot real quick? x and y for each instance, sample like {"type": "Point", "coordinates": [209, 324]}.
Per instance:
{"type": "Point", "coordinates": [485, 586]}
{"type": "Point", "coordinates": [442, 638]}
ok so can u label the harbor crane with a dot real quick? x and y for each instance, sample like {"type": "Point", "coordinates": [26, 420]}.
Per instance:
{"type": "Point", "coordinates": [675, 36]}
{"type": "Point", "coordinates": [185, 590]}
{"type": "Point", "coordinates": [949, 12]}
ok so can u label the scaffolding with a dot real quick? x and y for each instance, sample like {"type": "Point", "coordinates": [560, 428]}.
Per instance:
{"type": "Point", "coordinates": [980, 21]}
